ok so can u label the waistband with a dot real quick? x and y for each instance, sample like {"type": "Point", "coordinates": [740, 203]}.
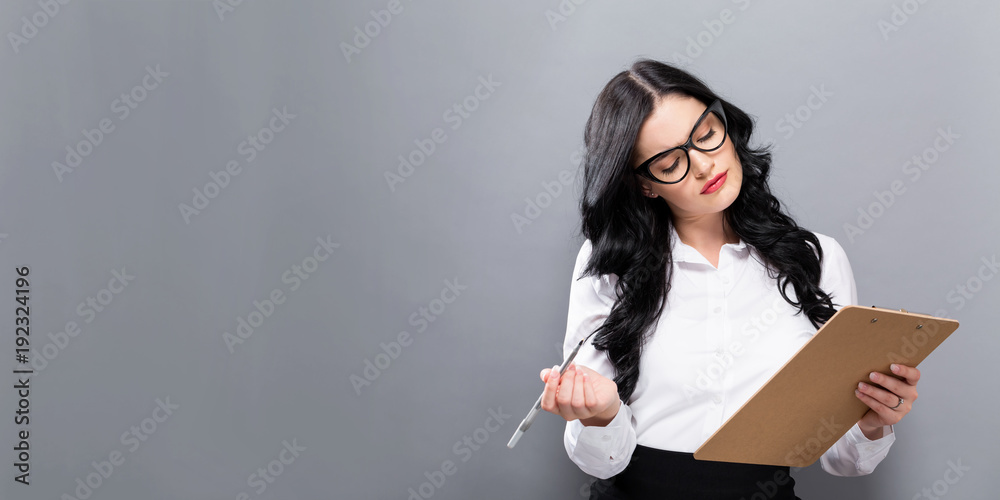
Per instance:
{"type": "Point", "coordinates": [658, 474]}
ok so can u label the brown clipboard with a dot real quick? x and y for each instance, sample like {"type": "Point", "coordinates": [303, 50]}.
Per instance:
{"type": "Point", "coordinates": [809, 403]}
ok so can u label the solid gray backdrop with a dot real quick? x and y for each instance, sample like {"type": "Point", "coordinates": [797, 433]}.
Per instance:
{"type": "Point", "coordinates": [525, 75]}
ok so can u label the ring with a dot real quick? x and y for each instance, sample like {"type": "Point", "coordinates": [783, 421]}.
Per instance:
{"type": "Point", "coordinates": [897, 404]}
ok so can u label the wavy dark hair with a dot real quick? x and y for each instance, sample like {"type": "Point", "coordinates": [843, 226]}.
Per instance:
{"type": "Point", "coordinates": [630, 232]}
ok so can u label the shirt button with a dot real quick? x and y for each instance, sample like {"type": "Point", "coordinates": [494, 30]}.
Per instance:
{"type": "Point", "coordinates": [717, 310]}
{"type": "Point", "coordinates": [718, 352]}
{"type": "Point", "coordinates": [606, 438]}
{"type": "Point", "coordinates": [717, 399]}
{"type": "Point", "coordinates": [725, 280]}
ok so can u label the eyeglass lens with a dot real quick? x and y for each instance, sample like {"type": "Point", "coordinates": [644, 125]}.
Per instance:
{"type": "Point", "coordinates": [672, 166]}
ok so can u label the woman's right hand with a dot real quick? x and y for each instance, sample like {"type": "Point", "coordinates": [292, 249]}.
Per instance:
{"type": "Point", "coordinates": [580, 393]}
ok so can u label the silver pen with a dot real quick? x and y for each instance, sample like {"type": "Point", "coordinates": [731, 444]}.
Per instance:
{"type": "Point", "coordinates": [535, 410]}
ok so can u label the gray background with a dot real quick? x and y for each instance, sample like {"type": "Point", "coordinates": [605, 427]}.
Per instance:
{"type": "Point", "coordinates": [451, 219]}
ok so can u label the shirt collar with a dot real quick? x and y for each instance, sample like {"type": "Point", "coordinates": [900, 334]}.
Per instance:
{"type": "Point", "coordinates": [683, 252]}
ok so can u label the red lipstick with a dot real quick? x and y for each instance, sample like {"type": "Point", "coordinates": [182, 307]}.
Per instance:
{"type": "Point", "coordinates": [714, 184]}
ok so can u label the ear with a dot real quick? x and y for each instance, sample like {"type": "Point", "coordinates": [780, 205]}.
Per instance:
{"type": "Point", "coordinates": [646, 189]}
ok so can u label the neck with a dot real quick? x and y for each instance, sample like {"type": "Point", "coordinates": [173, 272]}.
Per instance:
{"type": "Point", "coordinates": [709, 230]}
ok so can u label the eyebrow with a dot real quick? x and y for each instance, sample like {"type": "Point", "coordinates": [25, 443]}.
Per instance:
{"type": "Point", "coordinates": [703, 113]}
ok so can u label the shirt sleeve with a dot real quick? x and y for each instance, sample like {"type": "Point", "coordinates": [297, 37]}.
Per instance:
{"type": "Point", "coordinates": [605, 451]}
{"type": "Point", "coordinates": [853, 454]}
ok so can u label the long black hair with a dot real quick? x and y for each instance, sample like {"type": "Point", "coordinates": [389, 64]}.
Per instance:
{"type": "Point", "coordinates": [630, 232]}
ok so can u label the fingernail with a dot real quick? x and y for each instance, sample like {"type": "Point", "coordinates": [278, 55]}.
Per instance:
{"type": "Point", "coordinates": [894, 367]}
{"type": "Point", "coordinates": [862, 385]}
{"type": "Point", "coordinates": [873, 376]}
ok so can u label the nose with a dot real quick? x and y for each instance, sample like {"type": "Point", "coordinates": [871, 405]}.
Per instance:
{"type": "Point", "coordinates": [701, 162]}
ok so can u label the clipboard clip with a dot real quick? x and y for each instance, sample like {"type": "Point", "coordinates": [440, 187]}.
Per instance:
{"type": "Point", "coordinates": [900, 309]}
{"type": "Point", "coordinates": [905, 312]}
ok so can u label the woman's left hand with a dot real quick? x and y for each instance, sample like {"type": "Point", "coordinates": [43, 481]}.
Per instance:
{"type": "Point", "coordinates": [881, 398]}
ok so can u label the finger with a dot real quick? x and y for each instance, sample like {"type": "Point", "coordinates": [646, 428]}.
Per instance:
{"type": "Point", "coordinates": [888, 399]}
{"type": "Point", "coordinates": [887, 416]}
{"type": "Point", "coordinates": [564, 394]}
{"type": "Point", "coordinates": [546, 371]}
{"type": "Point", "coordinates": [894, 385]}
{"type": "Point", "coordinates": [911, 374]}
{"type": "Point", "coordinates": [588, 391]}
{"type": "Point", "coordinates": [549, 394]}
{"type": "Point", "coordinates": [579, 401]}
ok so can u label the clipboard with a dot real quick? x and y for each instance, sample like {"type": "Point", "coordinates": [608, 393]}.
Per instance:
{"type": "Point", "coordinates": [809, 403]}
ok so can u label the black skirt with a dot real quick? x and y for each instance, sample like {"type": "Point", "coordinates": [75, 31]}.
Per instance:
{"type": "Point", "coordinates": [665, 475]}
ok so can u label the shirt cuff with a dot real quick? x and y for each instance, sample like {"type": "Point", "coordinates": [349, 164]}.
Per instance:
{"type": "Point", "coordinates": [870, 452]}
{"type": "Point", "coordinates": [609, 445]}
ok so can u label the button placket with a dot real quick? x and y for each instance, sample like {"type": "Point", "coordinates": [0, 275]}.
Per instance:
{"type": "Point", "coordinates": [715, 323]}
{"type": "Point", "coordinates": [723, 280]}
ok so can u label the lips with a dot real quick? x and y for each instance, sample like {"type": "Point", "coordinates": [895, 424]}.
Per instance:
{"type": "Point", "coordinates": [714, 183]}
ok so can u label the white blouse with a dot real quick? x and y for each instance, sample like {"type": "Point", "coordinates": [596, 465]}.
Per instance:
{"type": "Point", "coordinates": [723, 333]}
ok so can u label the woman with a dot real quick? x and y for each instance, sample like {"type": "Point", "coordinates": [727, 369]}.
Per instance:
{"type": "Point", "coordinates": [699, 289]}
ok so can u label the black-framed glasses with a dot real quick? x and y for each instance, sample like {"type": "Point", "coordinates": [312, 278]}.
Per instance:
{"type": "Point", "coordinates": [672, 165]}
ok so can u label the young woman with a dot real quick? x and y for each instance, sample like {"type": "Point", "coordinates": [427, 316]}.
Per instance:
{"type": "Point", "coordinates": [699, 289]}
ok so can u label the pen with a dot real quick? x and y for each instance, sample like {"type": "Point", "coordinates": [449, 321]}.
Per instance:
{"type": "Point", "coordinates": [535, 410]}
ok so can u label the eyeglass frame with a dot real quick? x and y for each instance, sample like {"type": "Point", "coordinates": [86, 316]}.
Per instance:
{"type": "Point", "coordinates": [716, 105]}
